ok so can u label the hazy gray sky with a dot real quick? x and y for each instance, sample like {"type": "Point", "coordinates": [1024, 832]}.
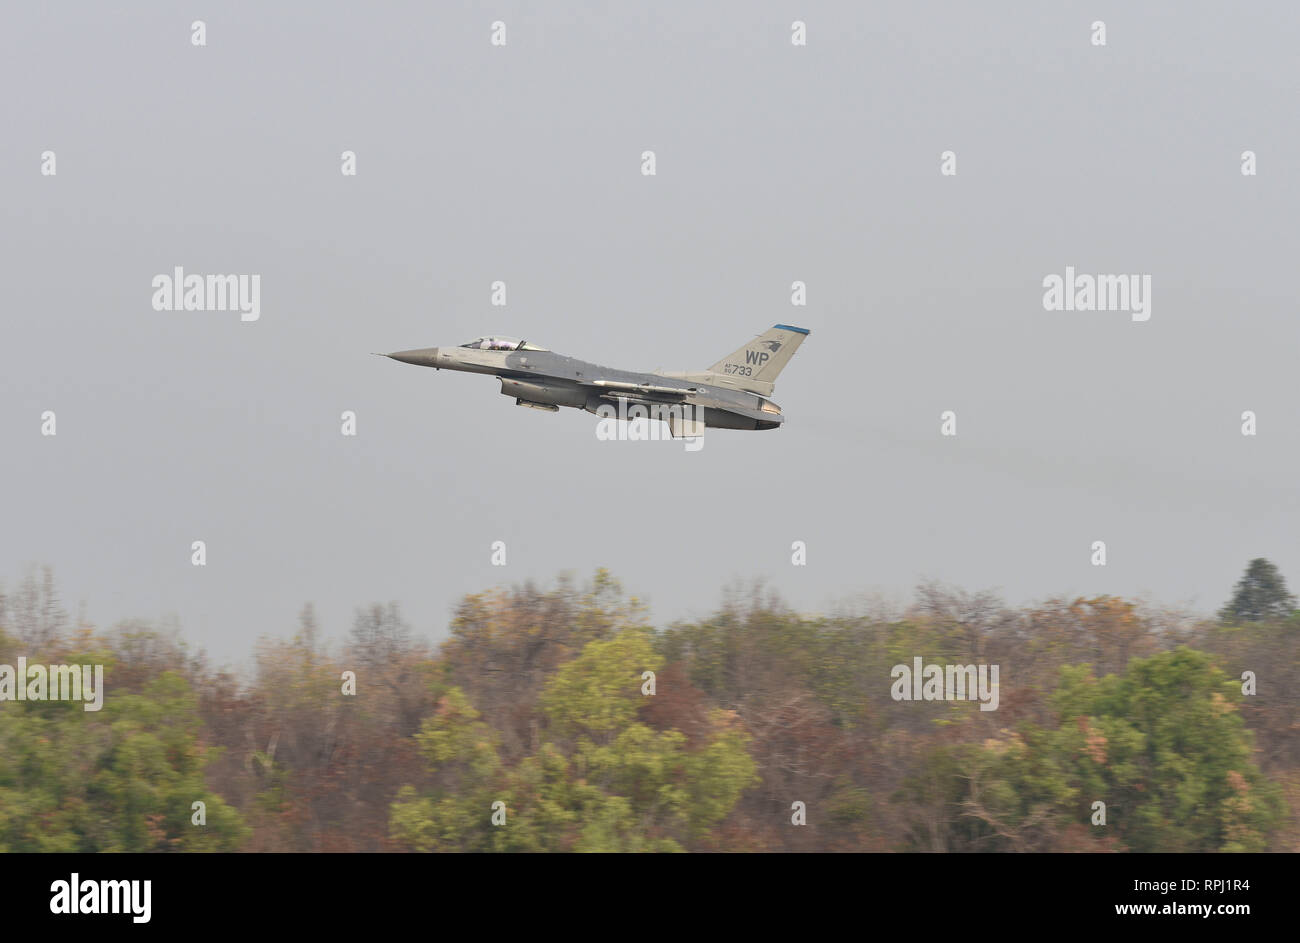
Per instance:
{"type": "Point", "coordinates": [522, 163]}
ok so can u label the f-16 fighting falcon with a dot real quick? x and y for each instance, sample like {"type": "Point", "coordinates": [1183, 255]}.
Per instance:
{"type": "Point", "coordinates": [731, 394]}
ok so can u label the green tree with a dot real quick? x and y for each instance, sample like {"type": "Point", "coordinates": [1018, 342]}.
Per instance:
{"type": "Point", "coordinates": [1260, 595]}
{"type": "Point", "coordinates": [124, 778]}
{"type": "Point", "coordinates": [456, 814]}
{"type": "Point", "coordinates": [1164, 746]}
{"type": "Point", "coordinates": [601, 780]}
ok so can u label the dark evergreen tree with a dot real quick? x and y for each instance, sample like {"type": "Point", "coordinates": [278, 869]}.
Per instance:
{"type": "Point", "coordinates": [1261, 595]}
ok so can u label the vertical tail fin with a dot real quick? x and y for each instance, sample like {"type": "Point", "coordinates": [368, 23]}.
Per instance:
{"type": "Point", "coordinates": [755, 366]}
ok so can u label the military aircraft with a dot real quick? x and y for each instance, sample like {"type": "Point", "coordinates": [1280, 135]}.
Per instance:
{"type": "Point", "coordinates": [731, 394]}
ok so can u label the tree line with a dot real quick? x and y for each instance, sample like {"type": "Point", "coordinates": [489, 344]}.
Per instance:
{"type": "Point", "coordinates": [559, 719]}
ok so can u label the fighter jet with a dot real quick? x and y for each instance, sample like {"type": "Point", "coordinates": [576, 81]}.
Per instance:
{"type": "Point", "coordinates": [731, 394]}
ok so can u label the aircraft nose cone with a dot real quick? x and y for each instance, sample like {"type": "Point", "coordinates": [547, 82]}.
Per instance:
{"type": "Point", "coordinates": [424, 357]}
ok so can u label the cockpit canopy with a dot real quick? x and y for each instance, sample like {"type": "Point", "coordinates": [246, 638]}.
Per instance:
{"type": "Point", "coordinates": [500, 343]}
